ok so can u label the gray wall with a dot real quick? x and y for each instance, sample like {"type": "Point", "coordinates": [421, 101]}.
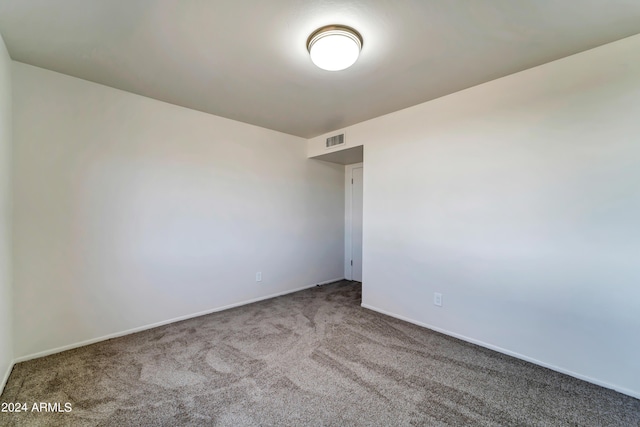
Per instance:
{"type": "Point", "coordinates": [131, 212]}
{"type": "Point", "coordinates": [6, 312]}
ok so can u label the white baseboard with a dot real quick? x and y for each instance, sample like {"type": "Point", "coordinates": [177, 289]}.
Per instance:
{"type": "Point", "coordinates": [5, 378]}
{"type": "Point", "coordinates": [164, 322]}
{"type": "Point", "coordinates": [326, 282]}
{"type": "Point", "coordinates": [588, 379]}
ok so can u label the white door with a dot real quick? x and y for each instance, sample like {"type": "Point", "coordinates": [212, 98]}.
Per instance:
{"type": "Point", "coordinates": [356, 224]}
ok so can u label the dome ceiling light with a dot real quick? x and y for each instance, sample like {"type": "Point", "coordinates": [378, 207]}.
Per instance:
{"type": "Point", "coordinates": [334, 47]}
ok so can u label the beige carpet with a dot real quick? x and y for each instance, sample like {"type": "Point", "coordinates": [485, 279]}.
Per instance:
{"type": "Point", "coordinates": [310, 358]}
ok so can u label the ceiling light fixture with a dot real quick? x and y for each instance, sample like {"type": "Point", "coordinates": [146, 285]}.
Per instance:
{"type": "Point", "coordinates": [334, 47]}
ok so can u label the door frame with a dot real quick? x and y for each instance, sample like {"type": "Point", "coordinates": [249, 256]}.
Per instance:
{"type": "Point", "coordinates": [348, 249]}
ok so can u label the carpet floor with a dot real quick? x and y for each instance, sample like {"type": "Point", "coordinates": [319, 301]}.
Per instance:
{"type": "Point", "coordinates": [312, 358]}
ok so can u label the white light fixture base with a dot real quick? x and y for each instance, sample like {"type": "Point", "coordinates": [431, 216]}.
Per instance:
{"type": "Point", "coordinates": [334, 47]}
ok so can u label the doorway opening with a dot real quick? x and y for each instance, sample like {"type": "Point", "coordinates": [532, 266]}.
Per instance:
{"type": "Point", "coordinates": [353, 221]}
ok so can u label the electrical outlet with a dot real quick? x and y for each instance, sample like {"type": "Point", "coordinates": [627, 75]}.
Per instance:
{"type": "Point", "coordinates": [437, 299]}
{"type": "Point", "coordinates": [259, 276]}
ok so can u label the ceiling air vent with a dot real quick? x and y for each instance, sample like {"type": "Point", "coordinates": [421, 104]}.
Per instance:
{"type": "Point", "coordinates": [336, 140]}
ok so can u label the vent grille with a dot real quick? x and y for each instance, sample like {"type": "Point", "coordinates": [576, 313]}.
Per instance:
{"type": "Point", "coordinates": [335, 140]}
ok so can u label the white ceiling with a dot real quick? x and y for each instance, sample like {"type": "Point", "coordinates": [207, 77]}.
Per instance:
{"type": "Point", "coordinates": [247, 59]}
